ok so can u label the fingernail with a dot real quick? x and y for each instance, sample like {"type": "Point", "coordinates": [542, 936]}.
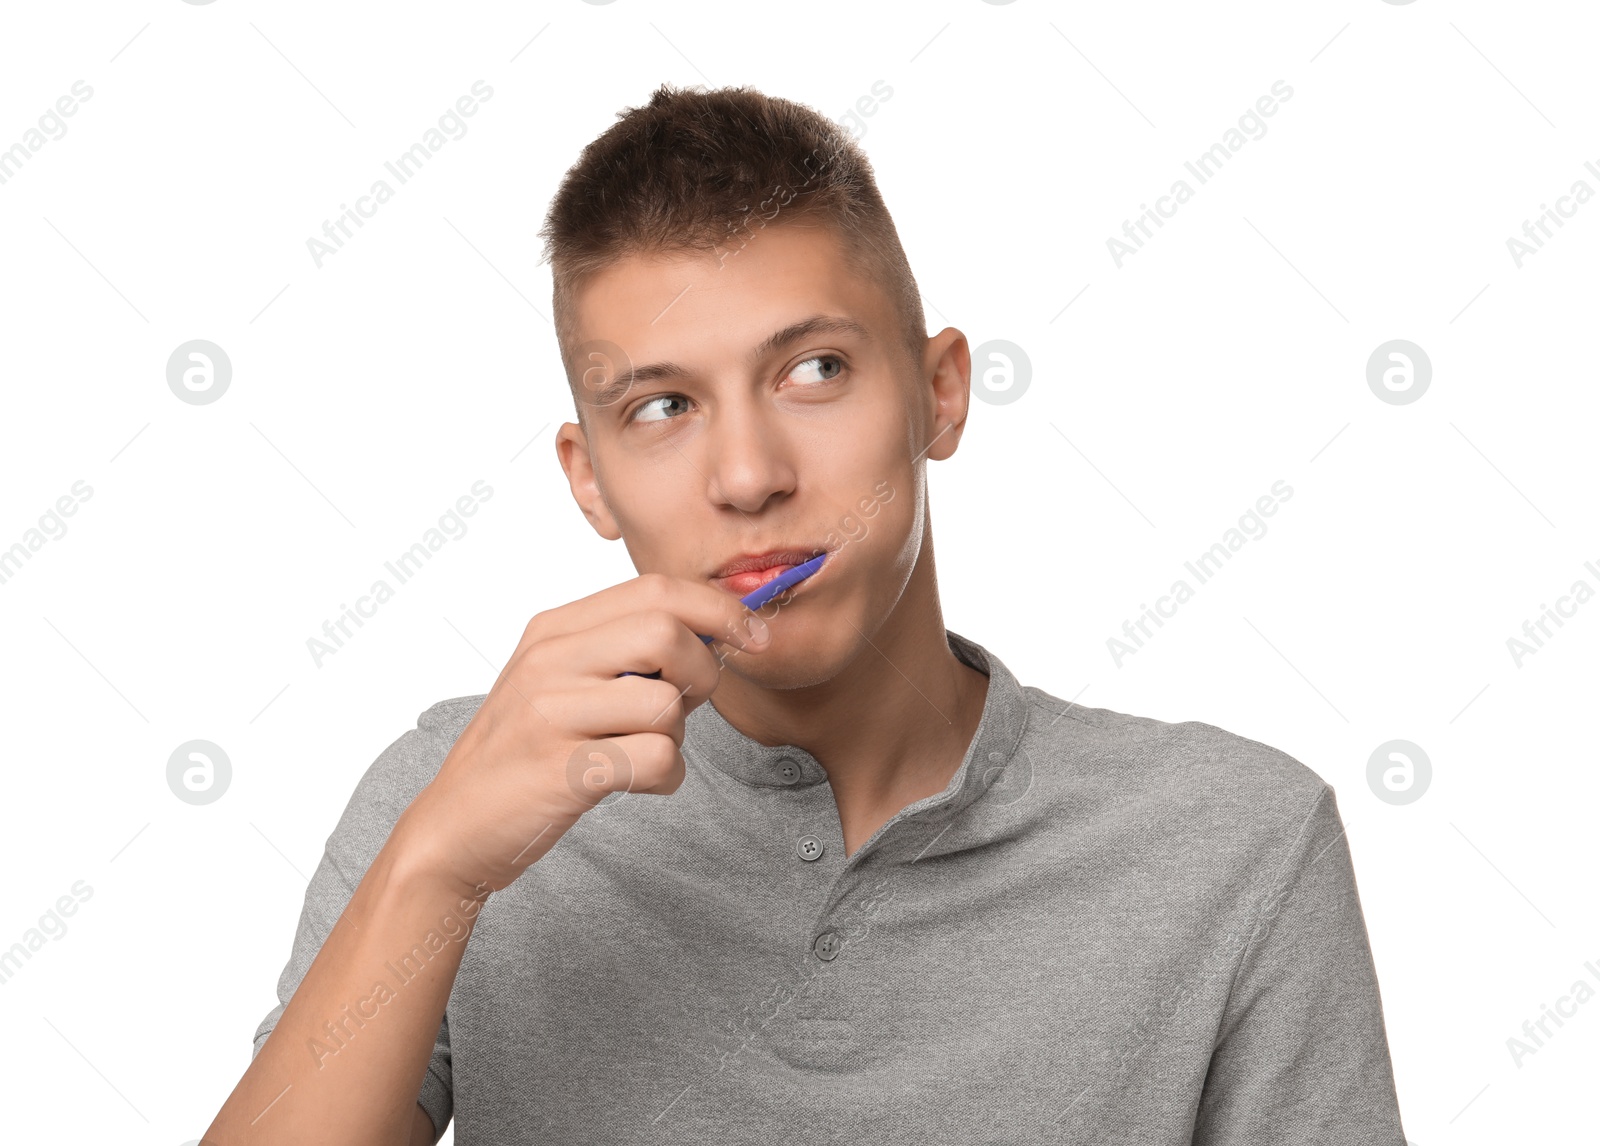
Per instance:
{"type": "Point", "coordinates": [759, 633]}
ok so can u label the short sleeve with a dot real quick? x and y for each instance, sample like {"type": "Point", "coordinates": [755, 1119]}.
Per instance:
{"type": "Point", "coordinates": [1301, 1055]}
{"type": "Point", "coordinates": [382, 793]}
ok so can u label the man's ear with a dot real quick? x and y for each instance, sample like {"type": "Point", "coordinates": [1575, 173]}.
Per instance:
{"type": "Point", "coordinates": [572, 449]}
{"type": "Point", "coordinates": [947, 390]}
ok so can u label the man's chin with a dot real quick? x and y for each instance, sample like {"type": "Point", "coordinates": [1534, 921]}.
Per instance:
{"type": "Point", "coordinates": [801, 665]}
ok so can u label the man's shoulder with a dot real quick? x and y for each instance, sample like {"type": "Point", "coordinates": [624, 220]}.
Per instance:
{"type": "Point", "coordinates": [405, 767]}
{"type": "Point", "coordinates": [447, 718]}
{"type": "Point", "coordinates": [1187, 772]}
{"type": "Point", "coordinates": [421, 750]}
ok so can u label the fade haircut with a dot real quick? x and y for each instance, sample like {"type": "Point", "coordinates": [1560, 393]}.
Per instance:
{"type": "Point", "coordinates": [705, 171]}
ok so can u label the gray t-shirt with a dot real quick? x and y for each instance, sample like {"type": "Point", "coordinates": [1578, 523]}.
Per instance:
{"type": "Point", "coordinates": [1106, 928]}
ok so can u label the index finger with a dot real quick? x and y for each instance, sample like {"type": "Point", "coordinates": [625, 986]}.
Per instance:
{"type": "Point", "coordinates": [707, 611]}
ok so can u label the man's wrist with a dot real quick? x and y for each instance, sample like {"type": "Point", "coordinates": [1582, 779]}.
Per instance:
{"type": "Point", "coordinates": [414, 864]}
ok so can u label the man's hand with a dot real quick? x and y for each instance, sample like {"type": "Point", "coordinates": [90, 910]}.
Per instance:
{"type": "Point", "coordinates": [561, 729]}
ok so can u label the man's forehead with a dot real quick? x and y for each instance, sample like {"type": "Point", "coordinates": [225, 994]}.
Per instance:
{"type": "Point", "coordinates": [792, 270]}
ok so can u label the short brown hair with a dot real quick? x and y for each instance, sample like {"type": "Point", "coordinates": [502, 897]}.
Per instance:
{"type": "Point", "coordinates": [702, 170]}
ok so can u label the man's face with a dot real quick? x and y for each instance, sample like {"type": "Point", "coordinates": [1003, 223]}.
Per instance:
{"type": "Point", "coordinates": [725, 445]}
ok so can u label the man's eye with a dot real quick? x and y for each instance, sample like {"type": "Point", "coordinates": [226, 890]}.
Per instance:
{"type": "Point", "coordinates": [825, 366]}
{"type": "Point", "coordinates": [819, 367]}
{"type": "Point", "coordinates": [650, 403]}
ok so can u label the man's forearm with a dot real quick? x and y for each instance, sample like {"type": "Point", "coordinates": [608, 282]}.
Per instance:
{"type": "Point", "coordinates": [346, 1061]}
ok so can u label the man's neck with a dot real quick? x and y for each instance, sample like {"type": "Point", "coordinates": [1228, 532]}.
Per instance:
{"type": "Point", "coordinates": [891, 728]}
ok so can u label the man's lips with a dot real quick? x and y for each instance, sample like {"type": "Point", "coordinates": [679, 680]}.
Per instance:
{"type": "Point", "coordinates": [751, 579]}
{"type": "Point", "coordinates": [748, 562]}
{"type": "Point", "coordinates": [744, 575]}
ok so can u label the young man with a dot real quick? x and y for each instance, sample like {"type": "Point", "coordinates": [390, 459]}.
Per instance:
{"type": "Point", "coordinates": [877, 890]}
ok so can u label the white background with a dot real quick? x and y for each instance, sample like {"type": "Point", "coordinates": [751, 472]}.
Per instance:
{"type": "Point", "coordinates": [369, 394]}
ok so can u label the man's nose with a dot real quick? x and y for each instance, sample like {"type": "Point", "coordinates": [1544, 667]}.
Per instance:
{"type": "Point", "coordinates": [748, 459]}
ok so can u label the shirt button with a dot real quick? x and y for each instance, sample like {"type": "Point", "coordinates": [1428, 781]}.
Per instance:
{"type": "Point", "coordinates": [788, 771]}
{"type": "Point", "coordinates": [810, 848]}
{"type": "Point", "coordinates": [827, 946]}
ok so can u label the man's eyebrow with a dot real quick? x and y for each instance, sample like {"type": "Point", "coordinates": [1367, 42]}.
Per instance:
{"type": "Point", "coordinates": [626, 380]}
{"type": "Point", "coordinates": [806, 327]}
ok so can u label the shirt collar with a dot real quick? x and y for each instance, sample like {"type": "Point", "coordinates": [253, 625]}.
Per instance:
{"type": "Point", "coordinates": [708, 735]}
